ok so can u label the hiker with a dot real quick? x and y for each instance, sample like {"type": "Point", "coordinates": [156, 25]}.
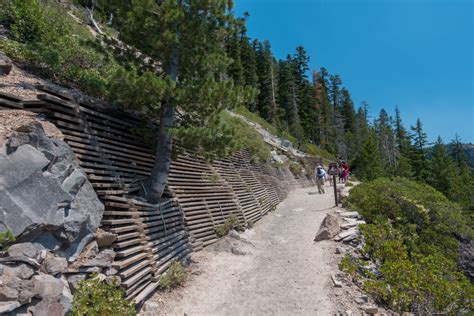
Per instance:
{"type": "Point", "coordinates": [320, 175]}
{"type": "Point", "coordinates": [346, 174]}
{"type": "Point", "coordinates": [332, 171]}
{"type": "Point", "coordinates": [340, 173]}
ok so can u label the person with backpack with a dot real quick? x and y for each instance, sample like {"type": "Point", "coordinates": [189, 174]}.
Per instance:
{"type": "Point", "coordinates": [320, 175]}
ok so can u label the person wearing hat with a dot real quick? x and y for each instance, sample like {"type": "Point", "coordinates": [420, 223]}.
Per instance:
{"type": "Point", "coordinates": [320, 175]}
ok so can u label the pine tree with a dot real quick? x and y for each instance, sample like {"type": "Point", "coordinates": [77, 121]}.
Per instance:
{"type": "Point", "coordinates": [334, 91]}
{"type": "Point", "coordinates": [402, 140]}
{"type": "Point", "coordinates": [417, 154]}
{"type": "Point", "coordinates": [304, 92]}
{"type": "Point", "coordinates": [248, 58]}
{"type": "Point", "coordinates": [284, 93]}
{"type": "Point", "coordinates": [234, 51]}
{"type": "Point", "coordinates": [462, 190]}
{"type": "Point", "coordinates": [442, 168]}
{"type": "Point", "coordinates": [458, 153]}
{"type": "Point", "coordinates": [249, 62]}
{"type": "Point", "coordinates": [266, 102]}
{"type": "Point", "coordinates": [368, 164]}
{"type": "Point", "coordinates": [356, 139]}
{"type": "Point", "coordinates": [347, 111]}
{"type": "Point", "coordinates": [323, 116]}
{"type": "Point", "coordinates": [188, 38]}
{"type": "Point", "coordinates": [385, 140]}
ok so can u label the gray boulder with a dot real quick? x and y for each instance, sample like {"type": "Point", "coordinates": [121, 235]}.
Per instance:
{"type": "Point", "coordinates": [45, 197]}
{"type": "Point", "coordinates": [104, 259]}
{"type": "Point", "coordinates": [50, 306]}
{"type": "Point", "coordinates": [74, 279]}
{"type": "Point", "coordinates": [14, 283]}
{"type": "Point", "coordinates": [5, 65]}
{"type": "Point", "coordinates": [328, 229]}
{"type": "Point", "coordinates": [22, 271]}
{"type": "Point", "coordinates": [105, 239]}
{"type": "Point", "coordinates": [8, 306]}
{"type": "Point", "coordinates": [46, 286]}
{"type": "Point", "coordinates": [26, 249]}
{"type": "Point", "coordinates": [54, 265]}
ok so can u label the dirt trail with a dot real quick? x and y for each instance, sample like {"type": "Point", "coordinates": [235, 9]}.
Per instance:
{"type": "Point", "coordinates": [283, 272]}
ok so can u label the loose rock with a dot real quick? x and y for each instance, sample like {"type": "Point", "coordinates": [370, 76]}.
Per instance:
{"type": "Point", "coordinates": [9, 306]}
{"type": "Point", "coordinates": [336, 282]}
{"type": "Point", "coordinates": [74, 279]}
{"type": "Point", "coordinates": [328, 229]}
{"type": "Point", "coordinates": [371, 310]}
{"type": "Point", "coordinates": [345, 234]}
{"type": "Point", "coordinates": [5, 65]}
{"type": "Point", "coordinates": [113, 280]}
{"type": "Point", "coordinates": [350, 214]}
{"type": "Point", "coordinates": [104, 259]}
{"type": "Point", "coordinates": [47, 286]}
{"type": "Point", "coordinates": [234, 234]}
{"type": "Point", "coordinates": [26, 249]}
{"type": "Point", "coordinates": [105, 239]}
{"type": "Point", "coordinates": [54, 265]}
{"type": "Point", "coordinates": [21, 271]}
{"type": "Point", "coordinates": [237, 251]}
{"type": "Point", "coordinates": [110, 271]}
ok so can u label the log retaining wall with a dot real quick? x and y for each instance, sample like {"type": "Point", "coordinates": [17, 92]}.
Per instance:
{"type": "Point", "coordinates": [199, 198]}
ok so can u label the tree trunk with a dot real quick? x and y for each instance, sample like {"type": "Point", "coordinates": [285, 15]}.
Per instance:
{"type": "Point", "coordinates": [164, 144]}
{"type": "Point", "coordinates": [274, 106]}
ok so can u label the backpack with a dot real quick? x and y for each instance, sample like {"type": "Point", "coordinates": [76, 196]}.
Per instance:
{"type": "Point", "coordinates": [320, 173]}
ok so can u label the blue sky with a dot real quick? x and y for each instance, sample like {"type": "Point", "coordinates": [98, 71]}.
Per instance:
{"type": "Point", "coordinates": [417, 54]}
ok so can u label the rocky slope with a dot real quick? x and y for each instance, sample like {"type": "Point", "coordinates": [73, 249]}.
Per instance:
{"type": "Point", "coordinates": [51, 208]}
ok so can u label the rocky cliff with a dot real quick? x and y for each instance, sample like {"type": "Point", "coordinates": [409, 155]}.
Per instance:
{"type": "Point", "coordinates": [45, 197]}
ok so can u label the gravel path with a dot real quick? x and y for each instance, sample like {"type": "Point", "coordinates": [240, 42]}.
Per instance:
{"type": "Point", "coordinates": [283, 272]}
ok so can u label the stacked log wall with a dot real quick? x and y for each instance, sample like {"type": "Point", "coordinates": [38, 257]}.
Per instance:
{"type": "Point", "coordinates": [199, 198]}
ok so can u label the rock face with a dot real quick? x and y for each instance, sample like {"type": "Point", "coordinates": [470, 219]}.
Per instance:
{"type": "Point", "coordinates": [5, 65]}
{"type": "Point", "coordinates": [45, 197]}
{"type": "Point", "coordinates": [465, 261]}
{"type": "Point", "coordinates": [328, 229]}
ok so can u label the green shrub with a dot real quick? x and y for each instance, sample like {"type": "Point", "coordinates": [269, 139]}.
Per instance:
{"type": "Point", "coordinates": [6, 239]}
{"type": "Point", "coordinates": [295, 168]}
{"type": "Point", "coordinates": [173, 277]}
{"type": "Point", "coordinates": [256, 119]}
{"type": "Point", "coordinates": [230, 223]}
{"type": "Point", "coordinates": [412, 234]}
{"type": "Point", "coordinates": [349, 184]}
{"type": "Point", "coordinates": [317, 152]}
{"type": "Point", "coordinates": [349, 265]}
{"type": "Point", "coordinates": [95, 297]}
{"type": "Point", "coordinates": [46, 39]}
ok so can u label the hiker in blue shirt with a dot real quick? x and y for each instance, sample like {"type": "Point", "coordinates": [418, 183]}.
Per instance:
{"type": "Point", "coordinates": [320, 175]}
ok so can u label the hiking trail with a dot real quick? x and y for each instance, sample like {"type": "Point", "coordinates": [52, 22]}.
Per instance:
{"type": "Point", "coordinates": [273, 269]}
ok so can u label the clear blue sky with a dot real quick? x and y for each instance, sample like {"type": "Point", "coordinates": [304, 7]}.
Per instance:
{"type": "Point", "coordinates": [417, 54]}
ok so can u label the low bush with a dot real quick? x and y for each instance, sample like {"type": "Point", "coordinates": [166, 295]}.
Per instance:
{"type": "Point", "coordinates": [173, 277]}
{"type": "Point", "coordinates": [412, 235]}
{"type": "Point", "coordinates": [318, 152]}
{"type": "Point", "coordinates": [295, 168]}
{"type": "Point", "coordinates": [49, 42]}
{"type": "Point", "coordinates": [97, 298]}
{"type": "Point", "coordinates": [6, 238]}
{"type": "Point", "coordinates": [232, 222]}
